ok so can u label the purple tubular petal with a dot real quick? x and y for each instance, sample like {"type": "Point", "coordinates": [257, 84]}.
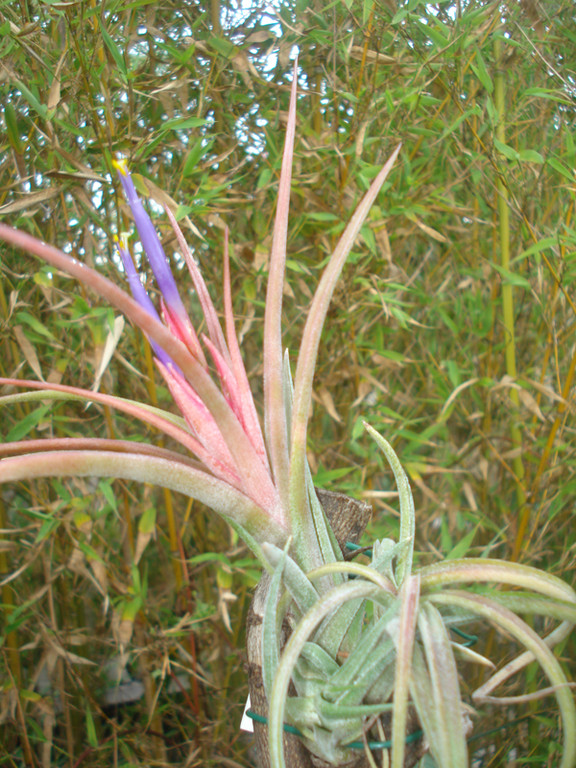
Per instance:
{"type": "Point", "coordinates": [137, 289]}
{"type": "Point", "coordinates": [140, 294]}
{"type": "Point", "coordinates": [151, 243]}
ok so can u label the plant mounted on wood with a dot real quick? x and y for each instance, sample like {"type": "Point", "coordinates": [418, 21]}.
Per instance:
{"type": "Point", "coordinates": [357, 658]}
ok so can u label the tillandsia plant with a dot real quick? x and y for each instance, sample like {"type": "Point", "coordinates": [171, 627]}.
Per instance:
{"type": "Point", "coordinates": [352, 655]}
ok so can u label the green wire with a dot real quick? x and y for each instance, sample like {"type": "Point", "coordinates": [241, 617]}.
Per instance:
{"type": "Point", "coordinates": [353, 745]}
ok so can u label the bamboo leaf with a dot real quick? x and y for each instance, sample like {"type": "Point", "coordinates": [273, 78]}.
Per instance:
{"type": "Point", "coordinates": [27, 423]}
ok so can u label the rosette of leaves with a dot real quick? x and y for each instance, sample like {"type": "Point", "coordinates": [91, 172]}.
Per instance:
{"type": "Point", "coordinates": [376, 643]}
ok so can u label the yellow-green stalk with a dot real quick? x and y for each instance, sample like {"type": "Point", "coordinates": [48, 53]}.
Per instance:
{"type": "Point", "coordinates": [507, 297]}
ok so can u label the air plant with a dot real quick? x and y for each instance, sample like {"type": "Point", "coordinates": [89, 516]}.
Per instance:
{"type": "Point", "coordinates": [365, 640]}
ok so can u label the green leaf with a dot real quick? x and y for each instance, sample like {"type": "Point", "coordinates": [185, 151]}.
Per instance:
{"type": "Point", "coordinates": [30, 97]}
{"type": "Point", "coordinates": [548, 93]}
{"type": "Point", "coordinates": [506, 150]}
{"type": "Point", "coordinates": [561, 168]}
{"type": "Point", "coordinates": [541, 245]}
{"type": "Point", "coordinates": [27, 424]}
{"type": "Point", "coordinates": [512, 278]}
{"type": "Point", "coordinates": [223, 46]}
{"type": "Point", "coordinates": [35, 324]}
{"type": "Point", "coordinates": [105, 488]}
{"type": "Point", "coordinates": [147, 522]}
{"type": "Point", "coordinates": [114, 51]}
{"type": "Point", "coordinates": [90, 552]}
{"type": "Point", "coordinates": [531, 156]}
{"type": "Point", "coordinates": [367, 10]}
{"type": "Point", "coordinates": [407, 515]}
{"type": "Point", "coordinates": [91, 735]}
{"type": "Point", "coordinates": [481, 71]}
{"type": "Point", "coordinates": [182, 124]}
{"type": "Point", "coordinates": [194, 156]}
{"type": "Point", "coordinates": [47, 529]}
{"type": "Point", "coordinates": [462, 547]}
{"type": "Point", "coordinates": [12, 129]}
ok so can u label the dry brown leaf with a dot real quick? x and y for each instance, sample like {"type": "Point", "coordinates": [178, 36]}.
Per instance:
{"type": "Point", "coordinates": [454, 395]}
{"type": "Point", "coordinates": [430, 231]}
{"type": "Point", "coordinates": [326, 399]}
{"type": "Point", "coordinates": [358, 52]}
{"type": "Point", "coordinates": [383, 241]}
{"type": "Point", "coordinates": [63, 653]}
{"type": "Point", "coordinates": [526, 399]}
{"type": "Point", "coordinates": [107, 350]}
{"type": "Point", "coordinates": [99, 570]}
{"type": "Point", "coordinates": [164, 199]}
{"type": "Point", "coordinates": [54, 92]}
{"type": "Point", "coordinates": [530, 404]}
{"type": "Point", "coordinates": [359, 143]}
{"type": "Point", "coordinates": [29, 200]}
{"type": "Point", "coordinates": [142, 541]}
{"type": "Point", "coordinates": [122, 629]}
{"type": "Point", "coordinates": [28, 351]}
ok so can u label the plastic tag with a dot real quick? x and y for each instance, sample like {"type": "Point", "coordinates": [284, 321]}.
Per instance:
{"type": "Point", "coordinates": [247, 724]}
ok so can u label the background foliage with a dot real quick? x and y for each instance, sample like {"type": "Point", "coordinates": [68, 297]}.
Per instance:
{"type": "Point", "coordinates": [452, 332]}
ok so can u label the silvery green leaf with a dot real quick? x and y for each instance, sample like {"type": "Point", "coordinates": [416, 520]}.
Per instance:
{"type": "Point", "coordinates": [334, 629]}
{"type": "Point", "coordinates": [271, 626]}
{"type": "Point", "coordinates": [514, 625]}
{"type": "Point", "coordinates": [301, 589]}
{"type": "Point", "coordinates": [318, 659]}
{"type": "Point", "coordinates": [450, 748]}
{"type": "Point", "coordinates": [339, 716]}
{"type": "Point", "coordinates": [404, 640]}
{"type": "Point", "coordinates": [301, 712]}
{"type": "Point", "coordinates": [383, 552]}
{"type": "Point", "coordinates": [287, 392]}
{"type": "Point", "coordinates": [382, 689]}
{"type": "Point", "coordinates": [328, 746]}
{"type": "Point", "coordinates": [365, 663]}
{"type": "Point", "coordinates": [407, 515]}
{"type": "Point", "coordinates": [472, 656]}
{"type": "Point", "coordinates": [302, 634]}
{"type": "Point", "coordinates": [540, 606]}
{"type": "Point", "coordinates": [307, 681]}
{"type": "Point", "coordinates": [329, 547]}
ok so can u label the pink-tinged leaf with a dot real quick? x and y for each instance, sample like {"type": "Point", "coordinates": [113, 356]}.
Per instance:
{"type": "Point", "coordinates": [210, 314]}
{"type": "Point", "coordinates": [274, 414]}
{"type": "Point", "coordinates": [249, 414]}
{"type": "Point", "coordinates": [231, 504]}
{"type": "Point", "coordinates": [449, 749]}
{"type": "Point", "coordinates": [94, 444]}
{"type": "Point", "coordinates": [183, 330]}
{"type": "Point", "coordinates": [256, 482]}
{"type": "Point", "coordinates": [214, 451]}
{"type": "Point", "coordinates": [238, 442]}
{"type": "Point", "coordinates": [511, 624]}
{"type": "Point", "coordinates": [311, 339]}
{"type": "Point", "coordinates": [233, 394]}
{"type": "Point", "coordinates": [108, 291]}
{"type": "Point", "coordinates": [126, 406]}
{"type": "Point", "coordinates": [473, 570]}
{"type": "Point", "coordinates": [410, 596]}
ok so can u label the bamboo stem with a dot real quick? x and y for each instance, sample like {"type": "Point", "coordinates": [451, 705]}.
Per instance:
{"type": "Point", "coordinates": [507, 296]}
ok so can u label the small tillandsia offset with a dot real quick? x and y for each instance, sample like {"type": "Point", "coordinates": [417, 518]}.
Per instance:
{"type": "Point", "coordinates": [359, 659]}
